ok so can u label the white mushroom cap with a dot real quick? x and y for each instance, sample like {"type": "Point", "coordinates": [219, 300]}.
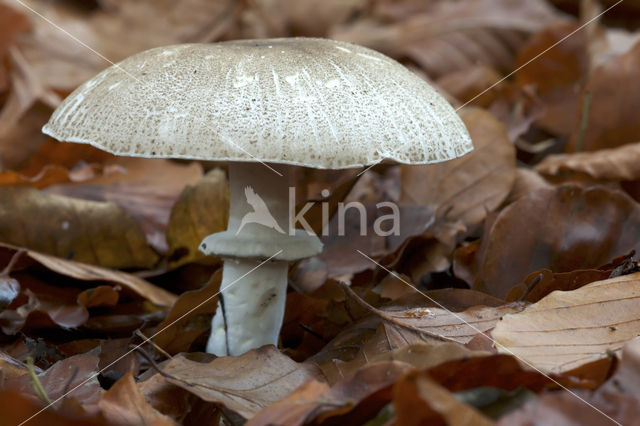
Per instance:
{"type": "Point", "coordinates": [302, 101]}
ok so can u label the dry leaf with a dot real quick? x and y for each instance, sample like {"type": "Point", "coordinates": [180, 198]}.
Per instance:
{"type": "Point", "coordinates": [201, 210]}
{"type": "Point", "coordinates": [418, 400]}
{"type": "Point", "coordinates": [463, 190]}
{"type": "Point", "coordinates": [567, 329]}
{"type": "Point", "coordinates": [85, 231]}
{"type": "Point", "coordinates": [555, 74]}
{"type": "Point", "coordinates": [117, 30]}
{"type": "Point", "coordinates": [244, 384]}
{"type": "Point", "coordinates": [316, 401]}
{"type": "Point", "coordinates": [64, 376]}
{"type": "Point", "coordinates": [103, 295]}
{"type": "Point", "coordinates": [125, 405]}
{"type": "Point", "coordinates": [86, 272]}
{"type": "Point", "coordinates": [447, 36]}
{"type": "Point", "coordinates": [561, 229]}
{"type": "Point", "coordinates": [189, 317]}
{"type": "Point", "coordinates": [614, 93]}
{"type": "Point", "coordinates": [622, 163]}
{"type": "Point", "coordinates": [145, 188]}
{"type": "Point", "coordinates": [441, 323]}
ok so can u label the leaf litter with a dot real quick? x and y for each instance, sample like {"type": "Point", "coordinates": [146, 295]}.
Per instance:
{"type": "Point", "coordinates": [529, 240]}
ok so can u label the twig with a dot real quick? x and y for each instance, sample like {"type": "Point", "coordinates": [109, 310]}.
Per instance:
{"type": "Point", "coordinates": [534, 283]}
{"type": "Point", "coordinates": [12, 262]}
{"type": "Point", "coordinates": [152, 343]}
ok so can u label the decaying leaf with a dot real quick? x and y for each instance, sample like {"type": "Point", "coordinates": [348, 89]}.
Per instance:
{"type": "Point", "coordinates": [622, 163]}
{"type": "Point", "coordinates": [561, 229]}
{"type": "Point", "coordinates": [85, 231]}
{"type": "Point", "coordinates": [315, 400]}
{"type": "Point", "coordinates": [609, 102]}
{"type": "Point", "coordinates": [567, 329]}
{"type": "Point", "coordinates": [145, 188]}
{"type": "Point", "coordinates": [449, 36]}
{"type": "Point", "coordinates": [124, 404]}
{"type": "Point", "coordinates": [201, 210]}
{"type": "Point", "coordinates": [418, 400]}
{"type": "Point", "coordinates": [460, 191]}
{"type": "Point", "coordinates": [244, 384]}
{"type": "Point", "coordinates": [189, 317]}
{"type": "Point", "coordinates": [86, 272]}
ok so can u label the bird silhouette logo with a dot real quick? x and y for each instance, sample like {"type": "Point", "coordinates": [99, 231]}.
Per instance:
{"type": "Point", "coordinates": [260, 213]}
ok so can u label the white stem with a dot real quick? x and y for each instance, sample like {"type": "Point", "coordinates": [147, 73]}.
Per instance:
{"type": "Point", "coordinates": [252, 307]}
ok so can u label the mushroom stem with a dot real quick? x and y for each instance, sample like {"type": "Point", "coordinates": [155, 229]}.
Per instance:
{"type": "Point", "coordinates": [252, 307]}
{"type": "Point", "coordinates": [253, 292]}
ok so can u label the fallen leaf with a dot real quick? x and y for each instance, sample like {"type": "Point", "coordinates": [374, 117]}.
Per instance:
{"type": "Point", "coordinates": [471, 84]}
{"type": "Point", "coordinates": [441, 323]}
{"type": "Point", "coordinates": [86, 272]}
{"type": "Point", "coordinates": [145, 188]}
{"type": "Point", "coordinates": [617, 164]}
{"type": "Point", "coordinates": [567, 329]}
{"type": "Point", "coordinates": [555, 74]}
{"type": "Point", "coordinates": [444, 37]}
{"type": "Point", "coordinates": [97, 233]}
{"type": "Point", "coordinates": [116, 30]}
{"type": "Point", "coordinates": [124, 404]}
{"type": "Point", "coordinates": [463, 190]}
{"type": "Point", "coordinates": [526, 181]}
{"type": "Point", "coordinates": [316, 401]}
{"type": "Point", "coordinates": [244, 384]}
{"type": "Point", "coordinates": [418, 400]}
{"type": "Point", "coordinates": [541, 283]}
{"type": "Point", "coordinates": [74, 377]}
{"type": "Point", "coordinates": [189, 317]}
{"type": "Point", "coordinates": [11, 367]}
{"type": "Point", "coordinates": [557, 229]}
{"type": "Point", "coordinates": [104, 295]}
{"type": "Point", "coordinates": [201, 210]}
{"type": "Point", "coordinates": [613, 91]}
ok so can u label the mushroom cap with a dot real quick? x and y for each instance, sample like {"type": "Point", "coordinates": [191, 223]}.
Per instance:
{"type": "Point", "coordinates": [302, 101]}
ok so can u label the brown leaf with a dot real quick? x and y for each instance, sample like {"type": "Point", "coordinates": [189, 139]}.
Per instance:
{"type": "Point", "coordinates": [567, 329]}
{"type": "Point", "coordinates": [62, 379]}
{"type": "Point", "coordinates": [145, 188]}
{"type": "Point", "coordinates": [201, 210]}
{"type": "Point", "coordinates": [418, 400]}
{"type": "Point", "coordinates": [463, 190]}
{"type": "Point", "coordinates": [541, 283]}
{"type": "Point", "coordinates": [467, 85]}
{"type": "Point", "coordinates": [86, 272]}
{"type": "Point", "coordinates": [12, 24]}
{"type": "Point", "coordinates": [125, 405]}
{"type": "Point", "coordinates": [555, 74]}
{"type": "Point", "coordinates": [97, 233]}
{"type": "Point", "coordinates": [116, 31]}
{"type": "Point", "coordinates": [11, 367]}
{"type": "Point", "coordinates": [443, 37]}
{"type": "Point", "coordinates": [103, 295]}
{"type": "Point", "coordinates": [556, 229]}
{"type": "Point", "coordinates": [244, 384]}
{"type": "Point", "coordinates": [316, 401]}
{"type": "Point", "coordinates": [441, 323]}
{"type": "Point", "coordinates": [611, 119]}
{"type": "Point", "coordinates": [622, 163]}
{"type": "Point", "coordinates": [189, 317]}
{"type": "Point", "coordinates": [526, 181]}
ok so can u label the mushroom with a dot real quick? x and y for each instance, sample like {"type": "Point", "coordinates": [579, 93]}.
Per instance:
{"type": "Point", "coordinates": [261, 105]}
